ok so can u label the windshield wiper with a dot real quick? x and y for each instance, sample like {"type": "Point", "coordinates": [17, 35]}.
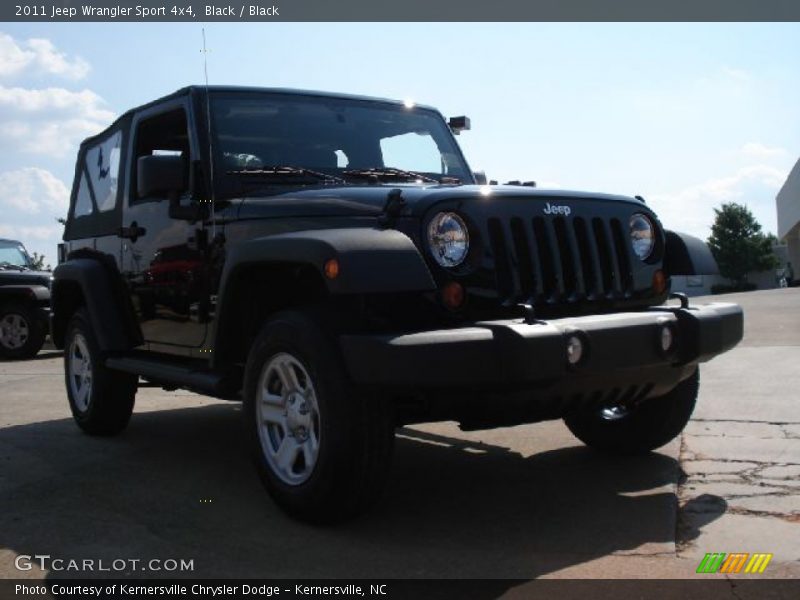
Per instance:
{"type": "Point", "coordinates": [285, 174]}
{"type": "Point", "coordinates": [389, 173]}
{"type": "Point", "coordinates": [8, 265]}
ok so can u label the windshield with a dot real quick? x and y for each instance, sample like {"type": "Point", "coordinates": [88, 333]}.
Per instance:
{"type": "Point", "coordinates": [13, 254]}
{"type": "Point", "coordinates": [329, 141]}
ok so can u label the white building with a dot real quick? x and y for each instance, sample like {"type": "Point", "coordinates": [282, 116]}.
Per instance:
{"type": "Point", "coordinates": [788, 204]}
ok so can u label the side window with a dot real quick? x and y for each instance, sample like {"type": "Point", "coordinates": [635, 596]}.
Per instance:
{"type": "Point", "coordinates": [83, 202]}
{"type": "Point", "coordinates": [102, 163]}
{"type": "Point", "coordinates": [164, 134]}
{"type": "Point", "coordinates": [412, 152]}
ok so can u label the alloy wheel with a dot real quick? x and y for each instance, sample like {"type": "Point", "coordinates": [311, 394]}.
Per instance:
{"type": "Point", "coordinates": [288, 418]}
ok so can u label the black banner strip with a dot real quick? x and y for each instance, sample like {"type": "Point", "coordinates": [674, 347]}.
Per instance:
{"type": "Point", "coordinates": [407, 10]}
{"type": "Point", "coordinates": [412, 589]}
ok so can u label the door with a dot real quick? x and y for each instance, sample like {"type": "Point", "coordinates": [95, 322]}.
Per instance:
{"type": "Point", "coordinates": [163, 258]}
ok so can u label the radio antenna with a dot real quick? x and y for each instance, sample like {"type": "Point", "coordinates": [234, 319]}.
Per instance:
{"type": "Point", "coordinates": [210, 141]}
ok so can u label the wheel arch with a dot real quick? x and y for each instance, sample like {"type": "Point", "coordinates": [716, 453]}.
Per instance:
{"type": "Point", "coordinates": [93, 280]}
{"type": "Point", "coordinates": [687, 255]}
{"type": "Point", "coordinates": [283, 271]}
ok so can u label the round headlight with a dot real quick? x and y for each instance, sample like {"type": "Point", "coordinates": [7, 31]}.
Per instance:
{"type": "Point", "coordinates": [448, 239]}
{"type": "Point", "coordinates": [643, 236]}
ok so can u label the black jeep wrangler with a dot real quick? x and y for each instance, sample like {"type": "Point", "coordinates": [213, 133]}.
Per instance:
{"type": "Point", "coordinates": [333, 262]}
{"type": "Point", "coordinates": [24, 302]}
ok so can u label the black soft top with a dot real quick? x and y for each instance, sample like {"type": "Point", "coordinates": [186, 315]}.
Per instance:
{"type": "Point", "coordinates": [191, 90]}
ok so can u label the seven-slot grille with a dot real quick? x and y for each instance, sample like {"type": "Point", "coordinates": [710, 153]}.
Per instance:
{"type": "Point", "coordinates": [560, 259]}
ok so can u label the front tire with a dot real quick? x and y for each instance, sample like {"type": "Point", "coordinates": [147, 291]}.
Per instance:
{"type": "Point", "coordinates": [321, 448]}
{"type": "Point", "coordinates": [22, 334]}
{"type": "Point", "coordinates": [101, 399]}
{"type": "Point", "coordinates": [641, 429]}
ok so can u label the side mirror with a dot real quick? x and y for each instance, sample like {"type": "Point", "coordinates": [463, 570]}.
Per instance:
{"type": "Point", "coordinates": [480, 177]}
{"type": "Point", "coordinates": [160, 175]}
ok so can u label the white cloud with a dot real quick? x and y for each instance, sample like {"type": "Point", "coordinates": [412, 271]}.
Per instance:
{"type": "Point", "coordinates": [32, 191]}
{"type": "Point", "coordinates": [31, 199]}
{"type": "Point", "coordinates": [25, 234]}
{"type": "Point", "coordinates": [50, 121]}
{"type": "Point", "coordinates": [691, 209]}
{"type": "Point", "coordinates": [761, 151]}
{"type": "Point", "coordinates": [39, 56]}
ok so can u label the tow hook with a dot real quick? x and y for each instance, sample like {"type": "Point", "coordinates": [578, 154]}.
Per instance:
{"type": "Point", "coordinates": [682, 297]}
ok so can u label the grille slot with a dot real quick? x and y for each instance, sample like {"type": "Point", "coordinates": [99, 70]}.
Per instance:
{"type": "Point", "coordinates": [546, 257]}
{"type": "Point", "coordinates": [623, 259]}
{"type": "Point", "coordinates": [560, 260]}
{"type": "Point", "coordinates": [527, 276]}
{"type": "Point", "coordinates": [603, 245]}
{"type": "Point", "coordinates": [588, 259]}
{"type": "Point", "coordinates": [502, 265]}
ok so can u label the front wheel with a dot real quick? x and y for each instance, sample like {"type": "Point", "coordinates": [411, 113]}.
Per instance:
{"type": "Point", "coordinates": [322, 449]}
{"type": "Point", "coordinates": [22, 334]}
{"type": "Point", "coordinates": [639, 429]}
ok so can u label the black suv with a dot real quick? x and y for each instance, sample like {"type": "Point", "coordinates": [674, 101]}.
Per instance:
{"type": "Point", "coordinates": [333, 262]}
{"type": "Point", "coordinates": [24, 302]}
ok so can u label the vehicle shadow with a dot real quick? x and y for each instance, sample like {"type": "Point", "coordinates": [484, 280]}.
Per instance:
{"type": "Point", "coordinates": [178, 484]}
{"type": "Point", "coordinates": [45, 354]}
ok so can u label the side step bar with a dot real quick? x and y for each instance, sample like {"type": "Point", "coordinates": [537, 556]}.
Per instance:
{"type": "Point", "coordinates": [211, 383]}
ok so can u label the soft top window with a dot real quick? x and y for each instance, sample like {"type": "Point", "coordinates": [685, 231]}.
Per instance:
{"type": "Point", "coordinates": [102, 164]}
{"type": "Point", "coordinates": [95, 209]}
{"type": "Point", "coordinates": [83, 201]}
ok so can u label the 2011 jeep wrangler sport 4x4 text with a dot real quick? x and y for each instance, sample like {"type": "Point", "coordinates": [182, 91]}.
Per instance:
{"type": "Point", "coordinates": [333, 262]}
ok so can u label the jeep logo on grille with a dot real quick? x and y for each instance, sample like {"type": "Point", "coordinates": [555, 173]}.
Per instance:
{"type": "Point", "coordinates": [554, 209]}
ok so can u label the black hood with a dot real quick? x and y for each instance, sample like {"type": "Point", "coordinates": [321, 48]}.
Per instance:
{"type": "Point", "coordinates": [11, 276]}
{"type": "Point", "coordinates": [369, 200]}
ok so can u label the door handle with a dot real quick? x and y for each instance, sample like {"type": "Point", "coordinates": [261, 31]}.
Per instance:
{"type": "Point", "coordinates": [133, 233]}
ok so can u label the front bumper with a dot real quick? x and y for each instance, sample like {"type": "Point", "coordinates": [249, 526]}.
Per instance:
{"type": "Point", "coordinates": [619, 349]}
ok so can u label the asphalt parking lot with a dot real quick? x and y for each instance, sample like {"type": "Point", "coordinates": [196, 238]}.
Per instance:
{"type": "Point", "coordinates": [520, 502]}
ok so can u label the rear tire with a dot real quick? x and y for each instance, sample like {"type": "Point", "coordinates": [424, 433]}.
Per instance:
{"type": "Point", "coordinates": [101, 399]}
{"type": "Point", "coordinates": [322, 449]}
{"type": "Point", "coordinates": [646, 427]}
{"type": "Point", "coordinates": [22, 334]}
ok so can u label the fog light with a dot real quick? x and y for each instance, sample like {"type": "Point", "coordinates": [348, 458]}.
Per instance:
{"type": "Point", "coordinates": [667, 338]}
{"type": "Point", "coordinates": [574, 349]}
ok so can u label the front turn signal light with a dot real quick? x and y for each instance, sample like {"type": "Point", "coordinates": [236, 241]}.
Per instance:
{"type": "Point", "coordinates": [331, 268]}
{"type": "Point", "coordinates": [659, 282]}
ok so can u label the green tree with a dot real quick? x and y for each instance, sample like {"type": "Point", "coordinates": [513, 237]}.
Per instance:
{"type": "Point", "coordinates": [37, 262]}
{"type": "Point", "coordinates": [739, 245]}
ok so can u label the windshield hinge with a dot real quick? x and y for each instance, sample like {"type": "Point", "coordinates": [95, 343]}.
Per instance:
{"type": "Point", "coordinates": [395, 203]}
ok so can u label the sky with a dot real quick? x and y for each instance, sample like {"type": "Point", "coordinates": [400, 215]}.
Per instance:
{"type": "Point", "coordinates": [686, 115]}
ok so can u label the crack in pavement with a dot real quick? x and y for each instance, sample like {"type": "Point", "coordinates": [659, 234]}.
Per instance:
{"type": "Point", "coordinates": [707, 420]}
{"type": "Point", "coordinates": [793, 517]}
{"type": "Point", "coordinates": [710, 486]}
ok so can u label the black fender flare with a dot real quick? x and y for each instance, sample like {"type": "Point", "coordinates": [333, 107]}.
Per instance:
{"type": "Point", "coordinates": [685, 254]}
{"type": "Point", "coordinates": [371, 261]}
{"type": "Point", "coordinates": [103, 295]}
